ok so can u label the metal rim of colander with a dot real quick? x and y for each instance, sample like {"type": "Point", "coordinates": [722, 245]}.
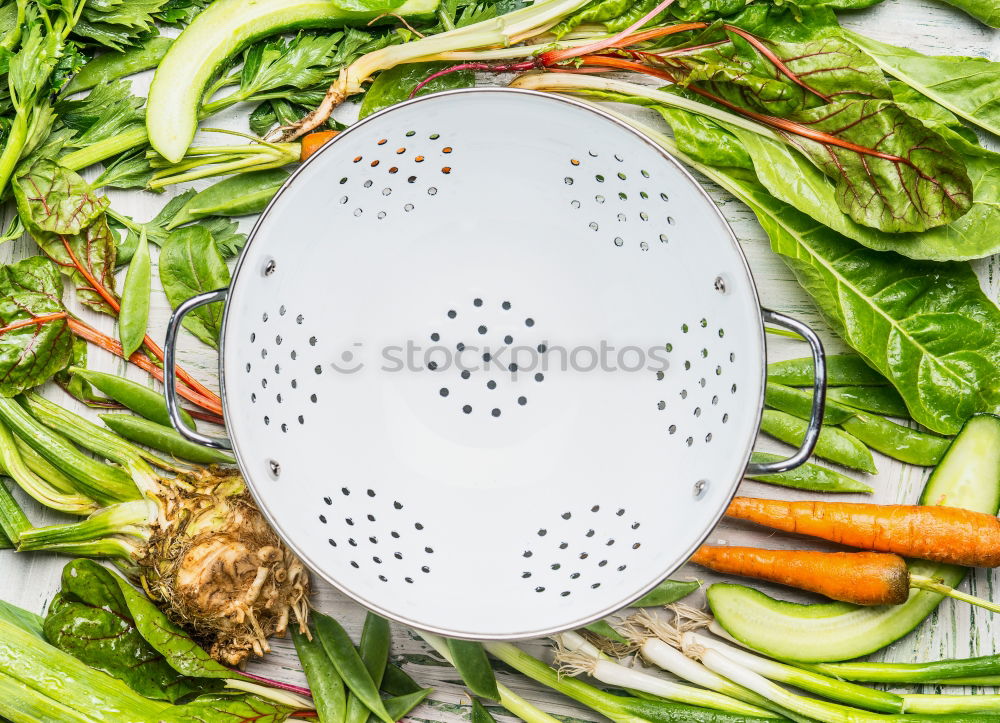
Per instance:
{"type": "Point", "coordinates": [713, 520]}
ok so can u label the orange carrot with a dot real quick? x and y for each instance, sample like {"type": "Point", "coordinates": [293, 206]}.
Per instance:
{"type": "Point", "coordinates": [942, 534]}
{"type": "Point", "coordinates": [862, 578]}
{"type": "Point", "coordinates": [314, 141]}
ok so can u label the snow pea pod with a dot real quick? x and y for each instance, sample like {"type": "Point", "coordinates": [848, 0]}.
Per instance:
{"type": "Point", "coordinates": [112, 66]}
{"type": "Point", "coordinates": [324, 681]}
{"type": "Point", "coordinates": [480, 714]}
{"type": "Point", "coordinates": [841, 370]}
{"type": "Point", "coordinates": [799, 402]}
{"type": "Point", "coordinates": [142, 400]}
{"type": "Point", "coordinates": [133, 317]}
{"type": "Point", "coordinates": [809, 476]}
{"type": "Point", "coordinates": [668, 591]}
{"type": "Point", "coordinates": [879, 400]}
{"type": "Point", "coordinates": [602, 628]}
{"type": "Point", "coordinates": [400, 705]}
{"type": "Point", "coordinates": [349, 665]}
{"type": "Point", "coordinates": [469, 659]}
{"type": "Point", "coordinates": [834, 443]}
{"type": "Point", "coordinates": [397, 682]}
{"type": "Point", "coordinates": [374, 652]}
{"type": "Point", "coordinates": [163, 439]}
{"type": "Point", "coordinates": [896, 441]}
{"type": "Point", "coordinates": [238, 195]}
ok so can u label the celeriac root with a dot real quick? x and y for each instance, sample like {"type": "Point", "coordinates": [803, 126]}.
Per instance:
{"type": "Point", "coordinates": [218, 569]}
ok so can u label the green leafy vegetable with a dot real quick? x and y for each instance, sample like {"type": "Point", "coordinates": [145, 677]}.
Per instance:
{"type": "Point", "coordinates": [54, 199]}
{"type": "Point", "coordinates": [36, 342]}
{"type": "Point", "coordinates": [985, 10]}
{"type": "Point", "coordinates": [190, 264]}
{"type": "Point", "coordinates": [230, 708]}
{"type": "Point", "coordinates": [968, 87]}
{"type": "Point", "coordinates": [90, 619]}
{"type": "Point", "coordinates": [397, 84]}
{"type": "Point", "coordinates": [95, 252]}
{"type": "Point", "coordinates": [134, 314]}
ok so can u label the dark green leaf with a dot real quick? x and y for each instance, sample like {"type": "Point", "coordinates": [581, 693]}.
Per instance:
{"type": "Point", "coordinates": [396, 84]}
{"type": "Point", "coordinates": [94, 249]}
{"type": "Point", "coordinates": [300, 62]}
{"type": "Point", "coordinates": [226, 235]}
{"type": "Point", "coordinates": [180, 12]}
{"type": "Point", "coordinates": [968, 87]}
{"type": "Point", "coordinates": [91, 621]}
{"type": "Point", "coordinates": [190, 264]}
{"type": "Point", "coordinates": [471, 662]}
{"type": "Point", "coordinates": [927, 327]}
{"type": "Point", "coordinates": [55, 199]}
{"type": "Point", "coordinates": [31, 354]}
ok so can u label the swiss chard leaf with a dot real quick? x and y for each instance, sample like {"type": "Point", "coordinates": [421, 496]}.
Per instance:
{"type": "Point", "coordinates": [95, 250]}
{"type": "Point", "coordinates": [190, 264]}
{"type": "Point", "coordinates": [396, 84]}
{"type": "Point", "coordinates": [30, 291]}
{"type": "Point", "coordinates": [230, 708]}
{"type": "Point", "coordinates": [968, 87]}
{"type": "Point", "coordinates": [927, 327]}
{"type": "Point", "coordinates": [986, 11]}
{"type": "Point", "coordinates": [54, 199]}
{"type": "Point", "coordinates": [90, 620]}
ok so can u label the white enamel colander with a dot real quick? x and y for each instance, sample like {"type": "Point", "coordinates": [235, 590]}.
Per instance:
{"type": "Point", "coordinates": [492, 364]}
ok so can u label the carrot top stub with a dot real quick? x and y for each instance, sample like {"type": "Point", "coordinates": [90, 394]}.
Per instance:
{"type": "Point", "coordinates": [942, 534]}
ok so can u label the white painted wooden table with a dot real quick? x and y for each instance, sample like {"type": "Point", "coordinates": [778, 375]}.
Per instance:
{"type": "Point", "coordinates": [955, 630]}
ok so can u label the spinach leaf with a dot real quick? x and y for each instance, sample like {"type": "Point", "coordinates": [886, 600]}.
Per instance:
{"type": "Point", "coordinates": [190, 264]}
{"type": "Point", "coordinates": [95, 250]}
{"type": "Point", "coordinates": [968, 87]}
{"type": "Point", "coordinates": [986, 11]}
{"type": "Point", "coordinates": [927, 327]}
{"type": "Point", "coordinates": [90, 620]}
{"type": "Point", "coordinates": [55, 199]}
{"type": "Point", "coordinates": [31, 294]}
{"type": "Point", "coordinates": [396, 84]}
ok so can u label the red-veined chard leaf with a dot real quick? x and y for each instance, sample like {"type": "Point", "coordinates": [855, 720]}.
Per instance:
{"type": "Point", "coordinates": [927, 327]}
{"type": "Point", "coordinates": [230, 708]}
{"type": "Point", "coordinates": [93, 251]}
{"type": "Point", "coordinates": [891, 172]}
{"type": "Point", "coordinates": [54, 199]}
{"type": "Point", "coordinates": [397, 84]}
{"type": "Point", "coordinates": [968, 87]}
{"type": "Point", "coordinates": [36, 342]}
{"type": "Point", "coordinates": [190, 264]}
{"type": "Point", "coordinates": [90, 620]}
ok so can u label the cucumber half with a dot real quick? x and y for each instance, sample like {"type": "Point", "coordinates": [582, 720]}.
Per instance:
{"type": "Point", "coordinates": [968, 476]}
{"type": "Point", "coordinates": [219, 31]}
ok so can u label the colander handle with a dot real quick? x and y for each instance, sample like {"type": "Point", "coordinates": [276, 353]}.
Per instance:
{"type": "Point", "coordinates": [170, 369]}
{"type": "Point", "coordinates": [819, 397]}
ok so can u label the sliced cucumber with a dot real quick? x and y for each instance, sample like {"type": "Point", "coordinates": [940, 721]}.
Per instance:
{"type": "Point", "coordinates": [968, 477]}
{"type": "Point", "coordinates": [222, 29]}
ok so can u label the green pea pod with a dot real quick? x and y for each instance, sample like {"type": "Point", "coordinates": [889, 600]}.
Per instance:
{"type": "Point", "coordinates": [401, 705]}
{"type": "Point", "coordinates": [834, 443]}
{"type": "Point", "coordinates": [668, 591]}
{"type": "Point", "coordinates": [808, 476]}
{"type": "Point", "coordinates": [140, 399]}
{"type": "Point", "coordinates": [879, 400]}
{"type": "Point", "coordinates": [164, 439]}
{"type": "Point", "coordinates": [327, 688]}
{"type": "Point", "coordinates": [841, 370]}
{"type": "Point", "coordinates": [604, 630]}
{"type": "Point", "coordinates": [480, 714]}
{"type": "Point", "coordinates": [799, 403]}
{"type": "Point", "coordinates": [374, 652]}
{"type": "Point", "coordinates": [237, 195]}
{"type": "Point", "coordinates": [112, 66]}
{"type": "Point", "coordinates": [134, 315]}
{"type": "Point", "coordinates": [896, 441]}
{"type": "Point", "coordinates": [348, 663]}
{"type": "Point", "coordinates": [469, 659]}
{"type": "Point", "coordinates": [397, 682]}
